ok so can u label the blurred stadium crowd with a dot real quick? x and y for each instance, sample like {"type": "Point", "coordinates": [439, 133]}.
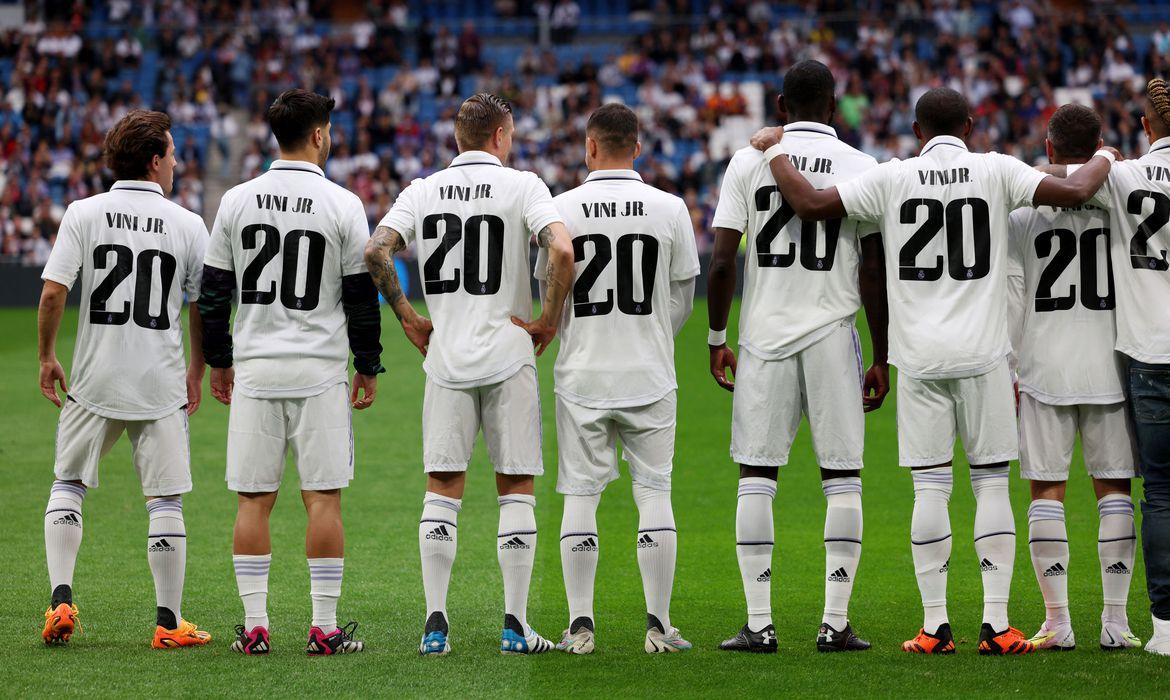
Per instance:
{"type": "Point", "coordinates": [399, 68]}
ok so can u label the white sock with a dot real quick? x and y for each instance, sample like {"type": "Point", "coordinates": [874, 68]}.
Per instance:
{"type": "Point", "coordinates": [1116, 548]}
{"type": "Point", "coordinates": [995, 541]}
{"type": "Point", "coordinates": [930, 540]}
{"type": "Point", "coordinates": [325, 588]}
{"type": "Point", "coordinates": [754, 538]}
{"type": "Point", "coordinates": [516, 550]}
{"type": "Point", "coordinates": [438, 536]}
{"type": "Point", "coordinates": [63, 532]}
{"type": "Point", "coordinates": [166, 550]}
{"type": "Point", "coordinates": [252, 581]}
{"type": "Point", "coordinates": [657, 552]}
{"type": "Point", "coordinates": [843, 526]}
{"type": "Point", "coordinates": [1048, 543]}
{"type": "Point", "coordinates": [579, 551]}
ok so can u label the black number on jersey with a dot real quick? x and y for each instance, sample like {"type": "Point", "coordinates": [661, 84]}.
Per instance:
{"type": "Point", "coordinates": [1066, 250]}
{"type": "Point", "coordinates": [602, 254]}
{"type": "Point", "coordinates": [1139, 253]}
{"type": "Point", "coordinates": [250, 292]}
{"type": "Point", "coordinates": [471, 233]}
{"type": "Point", "coordinates": [809, 259]}
{"type": "Point", "coordinates": [121, 269]}
{"type": "Point", "coordinates": [949, 217]}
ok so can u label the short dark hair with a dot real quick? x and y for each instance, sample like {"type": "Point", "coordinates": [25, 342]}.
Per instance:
{"type": "Point", "coordinates": [615, 128]}
{"type": "Point", "coordinates": [295, 113]}
{"type": "Point", "coordinates": [478, 118]}
{"type": "Point", "coordinates": [1074, 131]}
{"type": "Point", "coordinates": [134, 142]}
{"type": "Point", "coordinates": [942, 111]}
{"type": "Point", "coordinates": [808, 88]}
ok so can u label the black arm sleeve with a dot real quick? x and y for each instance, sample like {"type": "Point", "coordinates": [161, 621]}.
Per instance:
{"type": "Point", "coordinates": [359, 298]}
{"type": "Point", "coordinates": [215, 306]}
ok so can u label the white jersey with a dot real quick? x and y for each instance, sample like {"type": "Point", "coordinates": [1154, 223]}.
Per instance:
{"type": "Point", "coordinates": [800, 278]}
{"type": "Point", "coordinates": [1137, 194]}
{"type": "Point", "coordinates": [1065, 347]}
{"type": "Point", "coordinates": [943, 216]}
{"type": "Point", "coordinates": [630, 242]}
{"type": "Point", "coordinates": [137, 253]}
{"type": "Point", "coordinates": [473, 223]}
{"type": "Point", "coordinates": [289, 235]}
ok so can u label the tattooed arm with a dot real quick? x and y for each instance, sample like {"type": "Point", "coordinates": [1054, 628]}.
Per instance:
{"type": "Point", "coordinates": [380, 261]}
{"type": "Point", "coordinates": [558, 278]}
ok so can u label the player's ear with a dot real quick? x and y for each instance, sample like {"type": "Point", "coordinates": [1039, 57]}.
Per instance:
{"type": "Point", "coordinates": [1146, 128]}
{"type": "Point", "coordinates": [1048, 151]}
{"type": "Point", "coordinates": [637, 150]}
{"type": "Point", "coordinates": [968, 128]}
{"type": "Point", "coordinates": [782, 108]}
{"type": "Point", "coordinates": [918, 132]}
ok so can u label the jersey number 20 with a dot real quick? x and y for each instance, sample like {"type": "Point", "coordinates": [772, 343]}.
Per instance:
{"type": "Point", "coordinates": [602, 254]}
{"type": "Point", "coordinates": [121, 269]}
{"type": "Point", "coordinates": [250, 292]}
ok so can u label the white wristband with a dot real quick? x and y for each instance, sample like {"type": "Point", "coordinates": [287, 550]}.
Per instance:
{"type": "Point", "coordinates": [773, 151]}
{"type": "Point", "coordinates": [716, 338]}
{"type": "Point", "coordinates": [1106, 154]}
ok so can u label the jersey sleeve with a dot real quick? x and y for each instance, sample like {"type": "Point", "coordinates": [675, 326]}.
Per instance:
{"type": "Point", "coordinates": [865, 198]}
{"type": "Point", "coordinates": [539, 210]}
{"type": "Point", "coordinates": [862, 227]}
{"type": "Point", "coordinates": [684, 256]}
{"type": "Point", "coordinates": [219, 245]}
{"type": "Point", "coordinates": [1020, 181]}
{"type": "Point", "coordinates": [196, 253]}
{"type": "Point", "coordinates": [401, 216]}
{"type": "Point", "coordinates": [65, 259]}
{"type": "Point", "coordinates": [731, 212]}
{"type": "Point", "coordinates": [1101, 197]}
{"type": "Point", "coordinates": [355, 232]}
{"type": "Point", "coordinates": [1017, 230]}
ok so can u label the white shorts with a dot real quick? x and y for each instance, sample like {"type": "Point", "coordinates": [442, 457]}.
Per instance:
{"type": "Point", "coordinates": [160, 448]}
{"type": "Point", "coordinates": [823, 382]}
{"type": "Point", "coordinates": [1047, 434]}
{"type": "Point", "coordinates": [318, 428]}
{"type": "Point", "coordinates": [508, 412]}
{"type": "Point", "coordinates": [587, 445]}
{"type": "Point", "coordinates": [981, 409]}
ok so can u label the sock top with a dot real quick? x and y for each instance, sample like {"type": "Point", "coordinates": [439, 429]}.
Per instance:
{"type": "Point", "coordinates": [517, 498]}
{"type": "Point", "coordinates": [757, 485]}
{"type": "Point", "coordinates": [981, 473]}
{"type": "Point", "coordinates": [841, 484]}
{"type": "Point", "coordinates": [434, 499]}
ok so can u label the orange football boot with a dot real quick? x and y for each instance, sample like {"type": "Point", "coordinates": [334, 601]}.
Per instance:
{"type": "Point", "coordinates": [1010, 641]}
{"type": "Point", "coordinates": [185, 635]}
{"type": "Point", "coordinates": [60, 624]}
{"type": "Point", "coordinates": [941, 642]}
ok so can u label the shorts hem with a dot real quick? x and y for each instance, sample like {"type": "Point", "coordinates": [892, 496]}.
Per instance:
{"type": "Point", "coordinates": [326, 485]}
{"type": "Point", "coordinates": [758, 461]}
{"type": "Point", "coordinates": [156, 491]}
{"type": "Point", "coordinates": [926, 461]}
{"type": "Point", "coordinates": [449, 467]}
{"type": "Point", "coordinates": [520, 471]}
{"type": "Point", "coordinates": [577, 490]}
{"type": "Point", "coordinates": [1034, 475]}
{"type": "Point", "coordinates": [842, 465]}
{"type": "Point", "coordinates": [59, 476]}
{"type": "Point", "coordinates": [252, 488]}
{"type": "Point", "coordinates": [655, 484]}
{"type": "Point", "coordinates": [992, 459]}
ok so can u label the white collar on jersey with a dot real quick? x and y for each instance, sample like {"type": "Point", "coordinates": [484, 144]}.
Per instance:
{"type": "Point", "coordinates": [303, 166]}
{"type": "Point", "coordinates": [137, 186]}
{"type": "Point", "coordinates": [810, 127]}
{"type": "Point", "coordinates": [954, 141]}
{"type": "Point", "coordinates": [613, 175]}
{"type": "Point", "coordinates": [1160, 145]}
{"type": "Point", "coordinates": [475, 158]}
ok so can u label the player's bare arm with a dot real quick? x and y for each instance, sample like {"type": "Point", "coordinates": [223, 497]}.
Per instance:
{"type": "Point", "coordinates": [720, 292]}
{"type": "Point", "coordinates": [380, 252]}
{"type": "Point", "coordinates": [48, 323]}
{"type": "Point", "coordinates": [809, 203]}
{"type": "Point", "coordinates": [1077, 188]}
{"type": "Point", "coordinates": [872, 281]}
{"type": "Point", "coordinates": [196, 367]}
{"type": "Point", "coordinates": [558, 278]}
{"type": "Point", "coordinates": [215, 311]}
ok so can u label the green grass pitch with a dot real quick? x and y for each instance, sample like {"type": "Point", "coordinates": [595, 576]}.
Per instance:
{"type": "Point", "coordinates": [382, 586]}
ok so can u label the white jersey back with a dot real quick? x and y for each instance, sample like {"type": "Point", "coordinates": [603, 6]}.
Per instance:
{"type": "Point", "coordinates": [800, 277]}
{"type": "Point", "coordinates": [473, 224]}
{"type": "Point", "coordinates": [289, 235]}
{"type": "Point", "coordinates": [136, 253]}
{"type": "Point", "coordinates": [630, 242]}
{"type": "Point", "coordinates": [943, 217]}
{"type": "Point", "coordinates": [1137, 194]}
{"type": "Point", "coordinates": [1066, 347]}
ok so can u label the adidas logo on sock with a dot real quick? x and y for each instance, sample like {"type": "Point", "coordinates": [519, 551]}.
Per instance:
{"type": "Point", "coordinates": [515, 543]}
{"type": "Point", "coordinates": [840, 576]}
{"type": "Point", "coordinates": [1055, 570]}
{"type": "Point", "coordinates": [945, 567]}
{"type": "Point", "coordinates": [645, 541]}
{"type": "Point", "coordinates": [1118, 568]}
{"type": "Point", "coordinates": [68, 519]}
{"type": "Point", "coordinates": [766, 576]}
{"type": "Point", "coordinates": [588, 544]}
{"type": "Point", "coordinates": [160, 546]}
{"type": "Point", "coordinates": [986, 565]}
{"type": "Point", "coordinates": [440, 533]}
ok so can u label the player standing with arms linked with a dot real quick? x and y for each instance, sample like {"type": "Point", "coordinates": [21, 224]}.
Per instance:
{"type": "Point", "coordinates": [1070, 381]}
{"type": "Point", "coordinates": [287, 247]}
{"type": "Point", "coordinates": [948, 293]}
{"type": "Point", "coordinates": [799, 352]}
{"type": "Point", "coordinates": [615, 375]}
{"type": "Point", "coordinates": [473, 222]}
{"type": "Point", "coordinates": [136, 253]}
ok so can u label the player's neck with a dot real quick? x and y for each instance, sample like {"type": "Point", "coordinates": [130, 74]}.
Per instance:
{"type": "Point", "coordinates": [1061, 160]}
{"type": "Point", "coordinates": [305, 156]}
{"type": "Point", "coordinates": [822, 119]}
{"type": "Point", "coordinates": [486, 148]}
{"type": "Point", "coordinates": [615, 164]}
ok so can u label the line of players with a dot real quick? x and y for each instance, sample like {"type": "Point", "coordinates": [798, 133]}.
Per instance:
{"type": "Point", "coordinates": [627, 252]}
